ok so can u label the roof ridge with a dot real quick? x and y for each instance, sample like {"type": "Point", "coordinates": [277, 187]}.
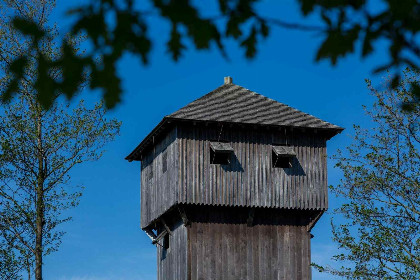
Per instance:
{"type": "Point", "coordinates": [225, 103]}
{"type": "Point", "coordinates": [231, 103]}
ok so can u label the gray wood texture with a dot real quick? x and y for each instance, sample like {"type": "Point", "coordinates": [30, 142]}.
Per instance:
{"type": "Point", "coordinates": [236, 251]}
{"type": "Point", "coordinates": [249, 180]}
{"type": "Point", "coordinates": [172, 264]}
{"type": "Point", "coordinates": [243, 220]}
{"type": "Point", "coordinates": [220, 245]}
{"type": "Point", "coordinates": [158, 188]}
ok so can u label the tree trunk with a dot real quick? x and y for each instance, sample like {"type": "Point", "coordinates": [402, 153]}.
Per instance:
{"type": "Point", "coordinates": [28, 269]}
{"type": "Point", "coordinates": [39, 230]}
{"type": "Point", "coordinates": [39, 205]}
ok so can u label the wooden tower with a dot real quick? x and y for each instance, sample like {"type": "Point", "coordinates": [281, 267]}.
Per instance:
{"type": "Point", "coordinates": [231, 186]}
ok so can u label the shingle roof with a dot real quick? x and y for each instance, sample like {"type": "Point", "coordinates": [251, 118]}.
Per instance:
{"type": "Point", "coordinates": [235, 104]}
{"type": "Point", "coordinates": [231, 103]}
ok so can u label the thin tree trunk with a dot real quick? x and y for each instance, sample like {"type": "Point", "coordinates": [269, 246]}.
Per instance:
{"type": "Point", "coordinates": [39, 205]}
{"type": "Point", "coordinates": [28, 268]}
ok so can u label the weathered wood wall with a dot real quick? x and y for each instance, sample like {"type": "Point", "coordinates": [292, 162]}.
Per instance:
{"type": "Point", "coordinates": [250, 180]}
{"type": "Point", "coordinates": [158, 186]}
{"type": "Point", "coordinates": [219, 244]}
{"type": "Point", "coordinates": [172, 265]}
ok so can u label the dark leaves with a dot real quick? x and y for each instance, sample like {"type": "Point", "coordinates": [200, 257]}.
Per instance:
{"type": "Point", "coordinates": [250, 43]}
{"type": "Point", "coordinates": [369, 37]}
{"type": "Point", "coordinates": [200, 30]}
{"type": "Point", "coordinates": [338, 44]}
{"type": "Point", "coordinates": [175, 46]}
{"type": "Point", "coordinates": [264, 29]}
{"type": "Point", "coordinates": [16, 70]}
{"type": "Point", "coordinates": [414, 103]}
{"type": "Point", "coordinates": [72, 70]}
{"type": "Point", "coordinates": [307, 6]}
{"type": "Point", "coordinates": [346, 23]}
{"type": "Point", "coordinates": [28, 27]}
{"type": "Point", "coordinates": [107, 79]}
{"type": "Point", "coordinates": [45, 85]}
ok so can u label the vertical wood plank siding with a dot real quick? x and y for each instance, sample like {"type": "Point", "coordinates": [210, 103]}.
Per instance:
{"type": "Point", "coordinates": [250, 180]}
{"type": "Point", "coordinates": [223, 247]}
{"type": "Point", "coordinates": [158, 188]}
{"type": "Point", "coordinates": [174, 265]}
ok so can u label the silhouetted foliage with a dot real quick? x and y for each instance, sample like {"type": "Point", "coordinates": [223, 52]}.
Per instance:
{"type": "Point", "coordinates": [117, 27]}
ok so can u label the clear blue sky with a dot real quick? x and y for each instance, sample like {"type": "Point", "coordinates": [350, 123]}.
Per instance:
{"type": "Point", "coordinates": [104, 241]}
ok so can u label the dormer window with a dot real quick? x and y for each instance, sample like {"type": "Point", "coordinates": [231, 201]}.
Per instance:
{"type": "Point", "coordinates": [220, 153]}
{"type": "Point", "coordinates": [282, 156]}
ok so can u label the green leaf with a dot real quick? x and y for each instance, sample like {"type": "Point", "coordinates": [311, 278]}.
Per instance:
{"type": "Point", "coordinates": [107, 80]}
{"type": "Point", "coordinates": [367, 47]}
{"type": "Point", "coordinates": [175, 46]}
{"type": "Point", "coordinates": [395, 82]}
{"type": "Point", "coordinates": [264, 29]}
{"type": "Point", "coordinates": [338, 43]}
{"type": "Point", "coordinates": [307, 6]}
{"type": "Point", "coordinates": [45, 85]}
{"type": "Point", "coordinates": [233, 27]}
{"type": "Point", "coordinates": [11, 89]}
{"type": "Point", "coordinates": [250, 42]}
{"type": "Point", "coordinates": [72, 70]}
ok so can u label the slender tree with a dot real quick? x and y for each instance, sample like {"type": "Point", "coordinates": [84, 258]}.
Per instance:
{"type": "Point", "coordinates": [38, 148]}
{"type": "Point", "coordinates": [380, 238]}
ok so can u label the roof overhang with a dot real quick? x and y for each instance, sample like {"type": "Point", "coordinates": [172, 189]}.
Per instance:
{"type": "Point", "coordinates": [167, 122]}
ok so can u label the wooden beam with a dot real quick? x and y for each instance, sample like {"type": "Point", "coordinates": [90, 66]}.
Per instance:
{"type": "Point", "coordinates": [166, 226]}
{"type": "Point", "coordinates": [314, 221]}
{"type": "Point", "coordinates": [159, 237]}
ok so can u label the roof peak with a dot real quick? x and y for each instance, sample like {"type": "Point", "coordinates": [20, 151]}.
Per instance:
{"type": "Point", "coordinates": [236, 104]}
{"type": "Point", "coordinates": [228, 80]}
{"type": "Point", "coordinates": [230, 103]}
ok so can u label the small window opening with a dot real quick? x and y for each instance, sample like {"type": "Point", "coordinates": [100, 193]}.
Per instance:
{"type": "Point", "coordinates": [164, 162]}
{"type": "Point", "coordinates": [282, 156]}
{"type": "Point", "coordinates": [219, 158]}
{"type": "Point", "coordinates": [220, 153]}
{"type": "Point", "coordinates": [281, 162]}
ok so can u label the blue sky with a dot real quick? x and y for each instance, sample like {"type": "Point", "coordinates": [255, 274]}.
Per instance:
{"type": "Point", "coordinates": [104, 241]}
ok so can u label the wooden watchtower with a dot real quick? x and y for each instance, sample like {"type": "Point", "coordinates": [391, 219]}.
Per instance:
{"type": "Point", "coordinates": [231, 186]}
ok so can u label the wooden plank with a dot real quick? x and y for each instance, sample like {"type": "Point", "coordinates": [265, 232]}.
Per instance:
{"type": "Point", "coordinates": [192, 233]}
{"type": "Point", "coordinates": [255, 252]}
{"type": "Point", "coordinates": [242, 252]}
{"type": "Point", "coordinates": [298, 249]}
{"type": "Point", "coordinates": [219, 265]}
{"type": "Point", "coordinates": [249, 254]}
{"type": "Point", "coordinates": [280, 253]}
{"type": "Point", "coordinates": [273, 254]}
